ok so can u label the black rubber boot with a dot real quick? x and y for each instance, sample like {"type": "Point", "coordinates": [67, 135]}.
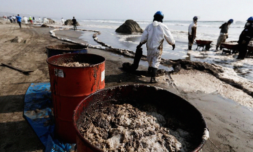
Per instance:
{"type": "Point", "coordinates": [153, 75]}
{"type": "Point", "coordinates": [149, 70]}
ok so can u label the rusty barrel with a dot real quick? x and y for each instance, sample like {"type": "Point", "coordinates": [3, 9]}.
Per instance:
{"type": "Point", "coordinates": [64, 49]}
{"type": "Point", "coordinates": [179, 112]}
{"type": "Point", "coordinates": [69, 85]}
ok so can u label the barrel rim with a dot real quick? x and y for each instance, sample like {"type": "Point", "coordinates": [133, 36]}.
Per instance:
{"type": "Point", "coordinates": [72, 50]}
{"type": "Point", "coordinates": [198, 148]}
{"type": "Point", "coordinates": [92, 65]}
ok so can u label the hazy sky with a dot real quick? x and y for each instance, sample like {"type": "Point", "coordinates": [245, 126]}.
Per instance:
{"type": "Point", "coordinates": [132, 9]}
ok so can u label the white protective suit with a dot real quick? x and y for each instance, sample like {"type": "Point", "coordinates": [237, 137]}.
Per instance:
{"type": "Point", "coordinates": [26, 20]}
{"type": "Point", "coordinates": [153, 36]}
{"type": "Point", "coordinates": [62, 21]}
{"type": "Point", "coordinates": [190, 28]}
{"type": "Point", "coordinates": [45, 20]}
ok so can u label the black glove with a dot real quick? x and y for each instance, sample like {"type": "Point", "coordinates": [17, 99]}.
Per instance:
{"type": "Point", "coordinates": [139, 46]}
{"type": "Point", "coordinates": [173, 46]}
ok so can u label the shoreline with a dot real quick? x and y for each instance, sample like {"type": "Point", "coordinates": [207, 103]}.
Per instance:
{"type": "Point", "coordinates": [230, 124]}
{"type": "Point", "coordinates": [222, 73]}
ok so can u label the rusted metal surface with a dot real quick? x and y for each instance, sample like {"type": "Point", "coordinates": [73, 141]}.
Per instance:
{"type": "Point", "coordinates": [183, 114]}
{"type": "Point", "coordinates": [69, 85]}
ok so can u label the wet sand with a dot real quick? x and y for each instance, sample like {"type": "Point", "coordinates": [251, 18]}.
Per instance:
{"type": "Point", "coordinates": [230, 124]}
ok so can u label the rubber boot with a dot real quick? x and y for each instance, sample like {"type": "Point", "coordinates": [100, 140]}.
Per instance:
{"type": "Point", "coordinates": [153, 75]}
{"type": "Point", "coordinates": [149, 70]}
{"type": "Point", "coordinates": [189, 47]}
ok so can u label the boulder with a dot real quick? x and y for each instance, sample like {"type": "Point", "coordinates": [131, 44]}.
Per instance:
{"type": "Point", "coordinates": [44, 25]}
{"type": "Point", "coordinates": [69, 22]}
{"type": "Point", "coordinates": [50, 21]}
{"type": "Point", "coordinates": [129, 27]}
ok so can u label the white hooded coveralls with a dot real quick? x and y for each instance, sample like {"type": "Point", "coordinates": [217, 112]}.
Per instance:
{"type": "Point", "coordinates": [153, 36]}
{"type": "Point", "coordinates": [26, 20]}
{"type": "Point", "coordinates": [62, 21]}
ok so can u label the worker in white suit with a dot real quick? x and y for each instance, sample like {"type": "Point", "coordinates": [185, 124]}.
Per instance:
{"type": "Point", "coordinates": [62, 21]}
{"type": "Point", "coordinates": [25, 19]}
{"type": "Point", "coordinates": [154, 35]}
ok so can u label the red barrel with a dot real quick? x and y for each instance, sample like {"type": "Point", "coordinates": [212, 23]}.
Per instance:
{"type": "Point", "coordinates": [185, 114]}
{"type": "Point", "coordinates": [69, 85]}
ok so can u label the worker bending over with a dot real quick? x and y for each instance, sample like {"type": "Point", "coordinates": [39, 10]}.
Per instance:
{"type": "Point", "coordinates": [244, 39]}
{"type": "Point", "coordinates": [154, 35]}
{"type": "Point", "coordinates": [223, 33]}
{"type": "Point", "coordinates": [192, 32]}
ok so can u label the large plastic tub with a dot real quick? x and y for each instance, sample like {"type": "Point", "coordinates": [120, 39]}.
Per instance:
{"type": "Point", "coordinates": [65, 48]}
{"type": "Point", "coordinates": [180, 112]}
{"type": "Point", "coordinates": [69, 85]}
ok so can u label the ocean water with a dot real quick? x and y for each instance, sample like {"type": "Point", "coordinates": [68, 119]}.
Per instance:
{"type": "Point", "coordinates": [207, 30]}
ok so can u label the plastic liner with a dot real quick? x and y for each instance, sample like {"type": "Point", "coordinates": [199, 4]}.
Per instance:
{"type": "Point", "coordinates": [39, 114]}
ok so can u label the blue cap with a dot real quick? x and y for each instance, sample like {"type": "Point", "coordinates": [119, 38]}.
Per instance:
{"type": "Point", "coordinates": [231, 21]}
{"type": "Point", "coordinates": [159, 13]}
{"type": "Point", "coordinates": [250, 19]}
{"type": "Point", "coordinates": [195, 18]}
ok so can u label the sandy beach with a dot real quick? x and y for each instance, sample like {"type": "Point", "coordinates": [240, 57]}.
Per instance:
{"type": "Point", "coordinates": [226, 108]}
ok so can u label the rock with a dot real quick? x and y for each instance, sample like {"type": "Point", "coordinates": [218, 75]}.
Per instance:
{"type": "Point", "coordinates": [69, 22]}
{"type": "Point", "coordinates": [50, 21]}
{"type": "Point", "coordinates": [44, 25]}
{"type": "Point", "coordinates": [129, 27]}
{"type": "Point", "coordinates": [17, 39]}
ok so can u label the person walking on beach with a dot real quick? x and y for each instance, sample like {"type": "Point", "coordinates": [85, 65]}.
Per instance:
{"type": "Point", "coordinates": [244, 39]}
{"type": "Point", "coordinates": [62, 21]}
{"type": "Point", "coordinates": [154, 35]}
{"type": "Point", "coordinates": [25, 19]}
{"type": "Point", "coordinates": [39, 20]}
{"type": "Point", "coordinates": [192, 32]}
{"type": "Point", "coordinates": [13, 19]}
{"type": "Point", "coordinates": [30, 20]}
{"type": "Point", "coordinates": [74, 23]}
{"type": "Point", "coordinates": [10, 18]}
{"type": "Point", "coordinates": [19, 20]}
{"type": "Point", "coordinates": [223, 33]}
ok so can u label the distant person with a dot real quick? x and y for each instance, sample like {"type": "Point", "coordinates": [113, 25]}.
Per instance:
{"type": "Point", "coordinates": [223, 33]}
{"type": "Point", "coordinates": [192, 32]}
{"type": "Point", "coordinates": [10, 18]}
{"type": "Point", "coordinates": [45, 20]}
{"type": "Point", "coordinates": [39, 20]}
{"type": "Point", "coordinates": [19, 20]}
{"type": "Point", "coordinates": [25, 19]}
{"type": "Point", "coordinates": [30, 20]}
{"type": "Point", "coordinates": [13, 19]}
{"type": "Point", "coordinates": [33, 19]}
{"type": "Point", "coordinates": [154, 35]}
{"type": "Point", "coordinates": [62, 21]}
{"type": "Point", "coordinates": [244, 39]}
{"type": "Point", "coordinates": [74, 23]}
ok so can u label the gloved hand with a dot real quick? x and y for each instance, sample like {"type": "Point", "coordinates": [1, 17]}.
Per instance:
{"type": "Point", "coordinates": [139, 46]}
{"type": "Point", "coordinates": [173, 46]}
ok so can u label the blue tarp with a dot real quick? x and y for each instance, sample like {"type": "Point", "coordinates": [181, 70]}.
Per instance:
{"type": "Point", "coordinates": [38, 111]}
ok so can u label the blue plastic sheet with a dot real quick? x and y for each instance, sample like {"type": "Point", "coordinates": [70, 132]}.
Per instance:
{"type": "Point", "coordinates": [39, 114]}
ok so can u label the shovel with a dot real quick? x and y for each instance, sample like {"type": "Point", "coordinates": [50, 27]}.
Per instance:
{"type": "Point", "coordinates": [19, 70]}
